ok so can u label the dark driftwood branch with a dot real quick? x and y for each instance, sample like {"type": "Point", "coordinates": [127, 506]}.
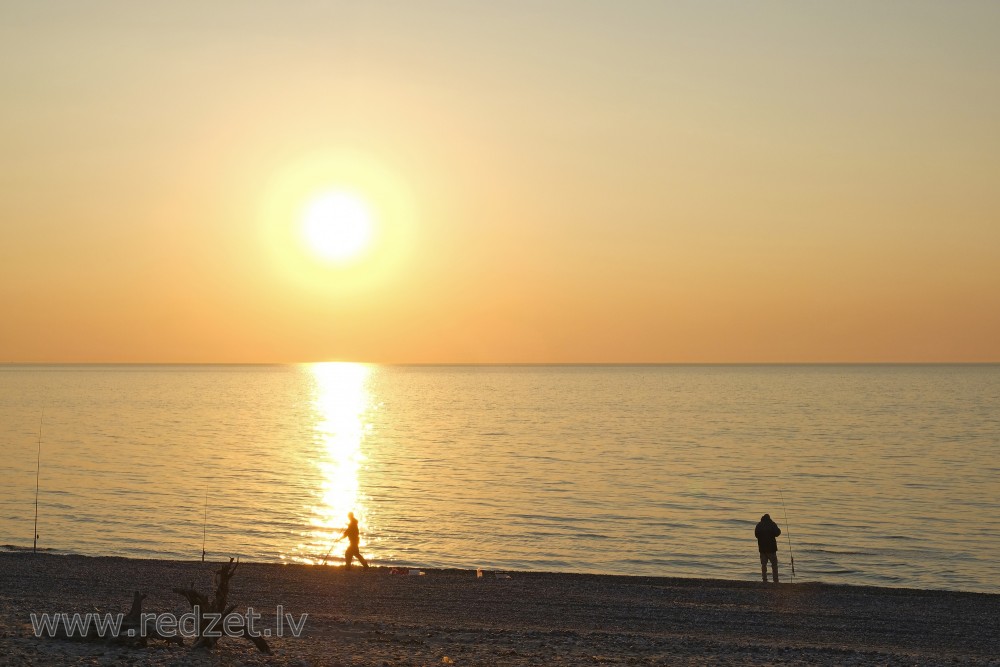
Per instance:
{"type": "Point", "coordinates": [212, 613]}
{"type": "Point", "coordinates": [130, 632]}
{"type": "Point", "coordinates": [217, 605]}
{"type": "Point", "coordinates": [133, 621]}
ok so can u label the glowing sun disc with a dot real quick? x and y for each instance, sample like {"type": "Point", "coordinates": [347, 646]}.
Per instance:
{"type": "Point", "coordinates": [337, 226]}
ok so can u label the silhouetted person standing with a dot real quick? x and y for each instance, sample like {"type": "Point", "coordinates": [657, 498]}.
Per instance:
{"type": "Point", "coordinates": [353, 535]}
{"type": "Point", "coordinates": [767, 533]}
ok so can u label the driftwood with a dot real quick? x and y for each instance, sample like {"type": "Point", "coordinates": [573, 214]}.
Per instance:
{"type": "Point", "coordinates": [134, 630]}
{"type": "Point", "coordinates": [129, 633]}
{"type": "Point", "coordinates": [213, 612]}
{"type": "Point", "coordinates": [133, 622]}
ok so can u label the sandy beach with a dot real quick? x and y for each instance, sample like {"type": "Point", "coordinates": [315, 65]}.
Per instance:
{"type": "Point", "coordinates": [447, 617]}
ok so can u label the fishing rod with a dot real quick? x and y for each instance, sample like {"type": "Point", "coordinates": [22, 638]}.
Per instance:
{"type": "Point", "coordinates": [204, 530]}
{"type": "Point", "coordinates": [38, 468]}
{"type": "Point", "coordinates": [332, 545]}
{"type": "Point", "coordinates": [788, 533]}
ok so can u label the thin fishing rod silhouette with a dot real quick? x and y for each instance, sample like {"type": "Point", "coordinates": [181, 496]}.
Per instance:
{"type": "Point", "coordinates": [330, 551]}
{"type": "Point", "coordinates": [38, 468]}
{"type": "Point", "coordinates": [204, 530]}
{"type": "Point", "coordinates": [788, 533]}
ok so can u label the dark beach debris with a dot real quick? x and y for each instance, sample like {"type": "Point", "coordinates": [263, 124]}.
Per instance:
{"type": "Point", "coordinates": [133, 631]}
{"type": "Point", "coordinates": [136, 629]}
{"type": "Point", "coordinates": [210, 630]}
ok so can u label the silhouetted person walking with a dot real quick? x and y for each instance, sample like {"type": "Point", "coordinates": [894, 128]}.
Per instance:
{"type": "Point", "coordinates": [766, 533]}
{"type": "Point", "coordinates": [353, 535]}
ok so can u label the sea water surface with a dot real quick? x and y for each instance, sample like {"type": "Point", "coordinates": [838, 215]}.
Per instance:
{"type": "Point", "coordinates": [889, 474]}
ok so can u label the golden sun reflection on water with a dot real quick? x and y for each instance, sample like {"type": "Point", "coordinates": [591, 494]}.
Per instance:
{"type": "Point", "coordinates": [341, 402]}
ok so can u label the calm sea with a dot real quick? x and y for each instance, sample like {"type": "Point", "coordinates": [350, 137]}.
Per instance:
{"type": "Point", "coordinates": [889, 474]}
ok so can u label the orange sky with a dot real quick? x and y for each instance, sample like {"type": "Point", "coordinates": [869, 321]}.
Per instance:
{"type": "Point", "coordinates": [551, 181]}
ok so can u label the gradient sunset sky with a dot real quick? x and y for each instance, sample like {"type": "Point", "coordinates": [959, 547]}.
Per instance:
{"type": "Point", "coordinates": [552, 181]}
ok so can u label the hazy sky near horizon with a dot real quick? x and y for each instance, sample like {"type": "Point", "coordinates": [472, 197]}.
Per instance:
{"type": "Point", "coordinates": [551, 181]}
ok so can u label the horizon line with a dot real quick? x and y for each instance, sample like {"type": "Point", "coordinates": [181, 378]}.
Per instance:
{"type": "Point", "coordinates": [503, 363]}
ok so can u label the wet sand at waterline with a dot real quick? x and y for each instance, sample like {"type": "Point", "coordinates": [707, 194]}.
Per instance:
{"type": "Point", "coordinates": [446, 617]}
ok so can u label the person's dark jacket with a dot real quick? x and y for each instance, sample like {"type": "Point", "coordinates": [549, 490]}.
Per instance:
{"type": "Point", "coordinates": [352, 533]}
{"type": "Point", "coordinates": [766, 532]}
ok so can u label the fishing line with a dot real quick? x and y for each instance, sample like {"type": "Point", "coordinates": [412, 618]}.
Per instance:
{"type": "Point", "coordinates": [38, 468]}
{"type": "Point", "coordinates": [788, 533]}
{"type": "Point", "coordinates": [204, 530]}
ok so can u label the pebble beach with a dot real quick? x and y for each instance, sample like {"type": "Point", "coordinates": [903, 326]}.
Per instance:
{"type": "Point", "coordinates": [452, 617]}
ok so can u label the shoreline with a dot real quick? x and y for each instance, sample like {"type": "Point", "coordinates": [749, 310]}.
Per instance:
{"type": "Point", "coordinates": [11, 549]}
{"type": "Point", "coordinates": [375, 618]}
{"type": "Point", "coordinates": [336, 564]}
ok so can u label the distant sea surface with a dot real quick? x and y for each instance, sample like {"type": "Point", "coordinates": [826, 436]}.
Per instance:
{"type": "Point", "coordinates": [890, 475]}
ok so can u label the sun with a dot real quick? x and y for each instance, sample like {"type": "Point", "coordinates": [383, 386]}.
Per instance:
{"type": "Point", "coordinates": [337, 226]}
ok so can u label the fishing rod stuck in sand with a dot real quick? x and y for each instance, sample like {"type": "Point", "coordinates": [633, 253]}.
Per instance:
{"type": "Point", "coordinates": [38, 468]}
{"type": "Point", "coordinates": [204, 529]}
{"type": "Point", "coordinates": [788, 533]}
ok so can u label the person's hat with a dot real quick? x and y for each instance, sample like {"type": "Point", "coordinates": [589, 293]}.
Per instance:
{"type": "Point", "coordinates": [766, 517]}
